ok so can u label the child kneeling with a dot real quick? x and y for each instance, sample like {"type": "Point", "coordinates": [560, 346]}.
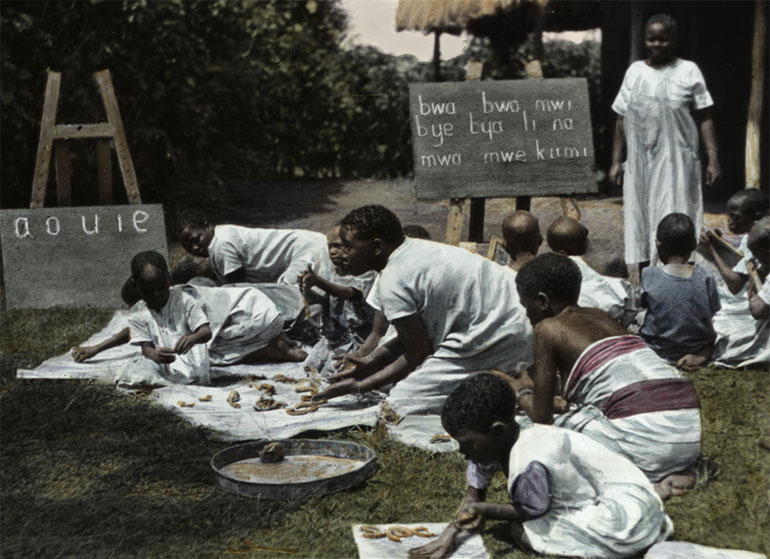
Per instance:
{"type": "Point", "coordinates": [570, 495]}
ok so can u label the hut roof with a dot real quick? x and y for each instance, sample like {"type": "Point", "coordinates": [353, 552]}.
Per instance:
{"type": "Point", "coordinates": [451, 16]}
{"type": "Point", "coordinates": [485, 16]}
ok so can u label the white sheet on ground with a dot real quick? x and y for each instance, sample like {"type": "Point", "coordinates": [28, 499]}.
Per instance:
{"type": "Point", "coordinates": [420, 430]}
{"type": "Point", "coordinates": [687, 550]}
{"type": "Point", "coordinates": [383, 548]}
{"type": "Point", "coordinates": [233, 424]}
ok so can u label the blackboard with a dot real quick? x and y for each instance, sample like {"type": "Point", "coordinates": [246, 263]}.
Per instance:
{"type": "Point", "coordinates": [502, 138]}
{"type": "Point", "coordinates": [75, 257]}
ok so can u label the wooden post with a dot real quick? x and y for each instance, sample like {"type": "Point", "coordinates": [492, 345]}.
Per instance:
{"type": "Point", "coordinates": [121, 145]}
{"type": "Point", "coordinates": [437, 56]}
{"type": "Point", "coordinates": [454, 223]}
{"type": "Point", "coordinates": [45, 143]}
{"type": "Point", "coordinates": [104, 171]}
{"type": "Point", "coordinates": [755, 102]}
{"type": "Point", "coordinates": [63, 174]}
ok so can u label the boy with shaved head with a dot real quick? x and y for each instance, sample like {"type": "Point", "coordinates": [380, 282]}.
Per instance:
{"type": "Point", "coordinates": [521, 232]}
{"type": "Point", "coordinates": [615, 296]}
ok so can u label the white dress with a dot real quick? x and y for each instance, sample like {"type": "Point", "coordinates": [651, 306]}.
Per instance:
{"type": "Point", "coordinates": [182, 314]}
{"type": "Point", "coordinates": [662, 168]}
{"type": "Point", "coordinates": [471, 313]}
{"type": "Point", "coordinates": [601, 505]}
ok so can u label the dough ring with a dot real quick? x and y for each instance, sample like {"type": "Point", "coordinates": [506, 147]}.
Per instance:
{"type": "Point", "coordinates": [206, 398]}
{"type": "Point", "coordinates": [396, 533]}
{"type": "Point", "coordinates": [372, 532]}
{"type": "Point", "coordinates": [183, 404]}
{"type": "Point", "coordinates": [437, 438]}
{"type": "Point", "coordinates": [265, 403]}
{"type": "Point", "coordinates": [422, 532]}
{"type": "Point", "coordinates": [267, 388]}
{"type": "Point", "coordinates": [233, 399]}
{"type": "Point", "coordinates": [302, 408]}
{"type": "Point", "coordinates": [305, 388]}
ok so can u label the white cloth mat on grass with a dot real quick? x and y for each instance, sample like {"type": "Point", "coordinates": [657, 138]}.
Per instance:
{"type": "Point", "coordinates": [687, 550]}
{"type": "Point", "coordinates": [233, 424]}
{"type": "Point", "coordinates": [383, 548]}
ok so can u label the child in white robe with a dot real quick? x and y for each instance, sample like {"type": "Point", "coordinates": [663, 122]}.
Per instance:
{"type": "Point", "coordinates": [742, 340]}
{"type": "Point", "coordinates": [248, 254]}
{"type": "Point", "coordinates": [615, 296]}
{"type": "Point", "coordinates": [569, 495]}
{"type": "Point", "coordinates": [346, 317]}
{"type": "Point", "coordinates": [169, 325]}
{"type": "Point", "coordinates": [759, 296]}
{"type": "Point", "coordinates": [455, 312]}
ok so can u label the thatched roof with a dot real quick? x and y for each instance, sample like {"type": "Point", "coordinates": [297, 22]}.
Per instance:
{"type": "Point", "coordinates": [450, 16]}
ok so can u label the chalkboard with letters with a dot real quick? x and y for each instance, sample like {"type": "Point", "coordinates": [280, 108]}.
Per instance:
{"type": "Point", "coordinates": [502, 138]}
{"type": "Point", "coordinates": [75, 257]}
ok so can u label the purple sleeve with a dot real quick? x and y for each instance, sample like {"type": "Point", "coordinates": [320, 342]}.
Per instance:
{"type": "Point", "coordinates": [530, 492]}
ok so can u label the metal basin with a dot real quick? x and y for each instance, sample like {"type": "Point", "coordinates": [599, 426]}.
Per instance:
{"type": "Point", "coordinates": [310, 467]}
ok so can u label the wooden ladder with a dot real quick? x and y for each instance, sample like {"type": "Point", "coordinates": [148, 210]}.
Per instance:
{"type": "Point", "coordinates": [56, 137]}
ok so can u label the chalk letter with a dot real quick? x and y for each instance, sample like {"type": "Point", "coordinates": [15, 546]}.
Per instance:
{"type": "Point", "coordinates": [486, 103]}
{"type": "Point", "coordinates": [424, 107]}
{"type": "Point", "coordinates": [25, 223]}
{"type": "Point", "coordinates": [50, 222]}
{"type": "Point", "coordinates": [120, 223]}
{"type": "Point", "coordinates": [139, 218]}
{"type": "Point", "coordinates": [421, 130]}
{"type": "Point", "coordinates": [539, 150]}
{"type": "Point", "coordinates": [96, 225]}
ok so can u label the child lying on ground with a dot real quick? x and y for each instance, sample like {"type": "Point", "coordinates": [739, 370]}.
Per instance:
{"type": "Point", "coordinates": [759, 245]}
{"type": "Point", "coordinates": [569, 495]}
{"type": "Point", "coordinates": [521, 233]}
{"type": "Point", "coordinates": [741, 339]}
{"type": "Point", "coordinates": [346, 317]}
{"type": "Point", "coordinates": [245, 325]}
{"type": "Point", "coordinates": [248, 254]}
{"type": "Point", "coordinates": [615, 296]}
{"type": "Point", "coordinates": [681, 298]}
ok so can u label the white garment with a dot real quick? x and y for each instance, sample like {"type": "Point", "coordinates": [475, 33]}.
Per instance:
{"type": "Point", "coordinates": [663, 168]}
{"type": "Point", "coordinates": [181, 315]}
{"type": "Point", "coordinates": [471, 313]}
{"type": "Point", "coordinates": [601, 504]}
{"type": "Point", "coordinates": [267, 255]}
{"type": "Point", "coordinates": [742, 340]}
{"type": "Point", "coordinates": [242, 321]}
{"type": "Point", "coordinates": [764, 292]}
{"type": "Point", "coordinates": [615, 296]}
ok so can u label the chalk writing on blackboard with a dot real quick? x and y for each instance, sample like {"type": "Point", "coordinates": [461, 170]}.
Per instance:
{"type": "Point", "coordinates": [502, 138]}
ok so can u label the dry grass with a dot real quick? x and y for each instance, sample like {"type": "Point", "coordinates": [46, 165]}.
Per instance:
{"type": "Point", "coordinates": [86, 472]}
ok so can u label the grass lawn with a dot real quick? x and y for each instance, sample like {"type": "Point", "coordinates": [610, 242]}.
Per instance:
{"type": "Point", "coordinates": [86, 472]}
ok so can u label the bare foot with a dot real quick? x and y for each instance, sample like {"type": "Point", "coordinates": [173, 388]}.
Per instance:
{"type": "Point", "coordinates": [675, 484]}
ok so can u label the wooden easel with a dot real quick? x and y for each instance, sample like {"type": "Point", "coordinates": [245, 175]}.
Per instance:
{"type": "Point", "coordinates": [56, 137]}
{"type": "Point", "coordinates": [454, 226]}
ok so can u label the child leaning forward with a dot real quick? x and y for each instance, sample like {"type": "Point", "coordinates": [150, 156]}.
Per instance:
{"type": "Point", "coordinates": [569, 495]}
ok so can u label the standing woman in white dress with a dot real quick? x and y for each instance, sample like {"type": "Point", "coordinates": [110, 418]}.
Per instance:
{"type": "Point", "coordinates": [661, 106]}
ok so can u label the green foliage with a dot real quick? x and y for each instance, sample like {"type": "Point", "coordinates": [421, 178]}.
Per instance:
{"type": "Point", "coordinates": [213, 91]}
{"type": "Point", "coordinates": [208, 90]}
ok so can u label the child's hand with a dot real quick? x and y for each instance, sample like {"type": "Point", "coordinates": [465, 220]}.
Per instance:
{"type": "Point", "coordinates": [341, 388]}
{"type": "Point", "coordinates": [184, 344]}
{"type": "Point", "coordinates": [521, 380]}
{"type": "Point", "coordinates": [161, 355]}
{"type": "Point", "coordinates": [307, 279]}
{"type": "Point", "coordinates": [81, 353]}
{"type": "Point", "coordinates": [350, 367]}
{"type": "Point", "coordinates": [692, 362]}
